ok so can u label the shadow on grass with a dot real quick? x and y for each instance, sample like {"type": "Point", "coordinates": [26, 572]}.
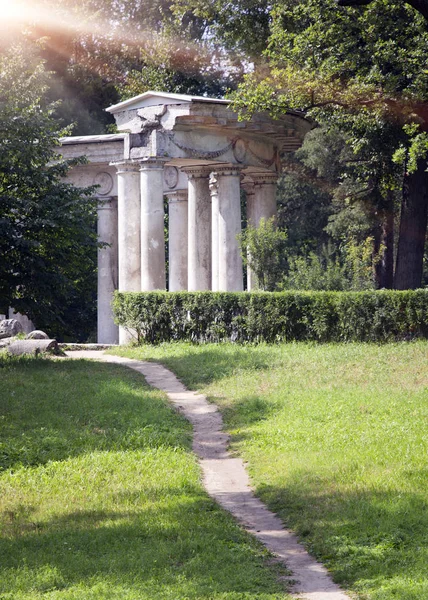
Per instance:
{"type": "Point", "coordinates": [187, 545]}
{"type": "Point", "coordinates": [365, 535]}
{"type": "Point", "coordinates": [52, 410]}
{"type": "Point", "coordinates": [200, 365]}
{"type": "Point", "coordinates": [247, 412]}
{"type": "Point", "coordinates": [373, 537]}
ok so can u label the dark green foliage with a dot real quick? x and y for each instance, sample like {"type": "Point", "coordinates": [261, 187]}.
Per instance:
{"type": "Point", "coordinates": [263, 250]}
{"type": "Point", "coordinates": [303, 211]}
{"type": "Point", "coordinates": [48, 240]}
{"type": "Point", "coordinates": [272, 317]}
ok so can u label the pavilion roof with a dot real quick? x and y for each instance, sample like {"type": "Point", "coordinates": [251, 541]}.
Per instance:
{"type": "Point", "coordinates": [151, 98]}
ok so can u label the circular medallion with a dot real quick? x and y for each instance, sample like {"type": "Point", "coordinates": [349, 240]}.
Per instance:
{"type": "Point", "coordinates": [104, 181]}
{"type": "Point", "coordinates": [171, 177]}
{"type": "Point", "coordinates": [239, 150]}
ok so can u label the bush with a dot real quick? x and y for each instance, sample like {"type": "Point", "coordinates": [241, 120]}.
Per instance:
{"type": "Point", "coordinates": [376, 316]}
{"type": "Point", "coordinates": [263, 251]}
{"type": "Point", "coordinates": [349, 267]}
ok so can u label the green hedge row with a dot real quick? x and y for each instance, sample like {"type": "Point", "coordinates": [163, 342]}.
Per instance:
{"type": "Point", "coordinates": [274, 317]}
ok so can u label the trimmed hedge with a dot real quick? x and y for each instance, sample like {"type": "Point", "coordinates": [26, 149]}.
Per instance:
{"type": "Point", "coordinates": [375, 316]}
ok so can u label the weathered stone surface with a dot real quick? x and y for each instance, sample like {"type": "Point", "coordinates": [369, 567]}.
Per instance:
{"type": "Point", "coordinates": [9, 328]}
{"type": "Point", "coordinates": [33, 347]}
{"type": "Point", "coordinates": [37, 335]}
{"type": "Point", "coordinates": [72, 346]}
{"type": "Point", "coordinates": [5, 342]}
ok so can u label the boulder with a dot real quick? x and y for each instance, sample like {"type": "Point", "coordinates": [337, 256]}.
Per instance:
{"type": "Point", "coordinates": [9, 328]}
{"type": "Point", "coordinates": [37, 335]}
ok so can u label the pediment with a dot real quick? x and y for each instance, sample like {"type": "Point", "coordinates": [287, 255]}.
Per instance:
{"type": "Point", "coordinates": [151, 98]}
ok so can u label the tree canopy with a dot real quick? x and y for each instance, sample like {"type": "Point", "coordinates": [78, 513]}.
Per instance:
{"type": "Point", "coordinates": [358, 68]}
{"type": "Point", "coordinates": [363, 71]}
{"type": "Point", "coordinates": [48, 238]}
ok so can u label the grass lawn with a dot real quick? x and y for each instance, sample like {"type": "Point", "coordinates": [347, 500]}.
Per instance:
{"type": "Point", "coordinates": [336, 437]}
{"type": "Point", "coordinates": [100, 496]}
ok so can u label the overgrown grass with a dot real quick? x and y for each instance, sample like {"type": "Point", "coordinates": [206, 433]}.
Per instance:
{"type": "Point", "coordinates": [100, 496]}
{"type": "Point", "coordinates": [336, 441]}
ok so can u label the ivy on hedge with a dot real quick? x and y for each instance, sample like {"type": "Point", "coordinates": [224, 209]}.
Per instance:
{"type": "Point", "coordinates": [375, 316]}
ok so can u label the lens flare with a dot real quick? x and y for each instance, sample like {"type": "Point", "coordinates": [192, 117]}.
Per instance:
{"type": "Point", "coordinates": [13, 11]}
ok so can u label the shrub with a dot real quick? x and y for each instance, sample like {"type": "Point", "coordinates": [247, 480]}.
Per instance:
{"type": "Point", "coordinates": [376, 316]}
{"type": "Point", "coordinates": [263, 251]}
{"type": "Point", "coordinates": [349, 267]}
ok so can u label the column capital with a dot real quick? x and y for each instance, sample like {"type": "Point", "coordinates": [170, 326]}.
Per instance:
{"type": "Point", "coordinates": [105, 202]}
{"type": "Point", "coordinates": [247, 185]}
{"type": "Point", "coordinates": [264, 178]}
{"type": "Point", "coordinates": [152, 164]}
{"type": "Point", "coordinates": [177, 196]}
{"type": "Point", "coordinates": [197, 171]}
{"type": "Point", "coordinates": [126, 166]}
{"type": "Point", "coordinates": [227, 171]}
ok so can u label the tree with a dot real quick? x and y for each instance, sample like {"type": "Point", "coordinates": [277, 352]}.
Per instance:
{"type": "Point", "coordinates": [419, 5]}
{"type": "Point", "coordinates": [363, 71]}
{"type": "Point", "coordinates": [101, 52]}
{"type": "Point", "coordinates": [242, 26]}
{"type": "Point", "coordinates": [48, 240]}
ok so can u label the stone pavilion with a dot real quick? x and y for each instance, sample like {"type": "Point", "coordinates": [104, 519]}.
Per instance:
{"type": "Point", "coordinates": [195, 152]}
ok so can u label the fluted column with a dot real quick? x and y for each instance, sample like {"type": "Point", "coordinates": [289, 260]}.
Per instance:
{"type": "Point", "coordinates": [152, 226]}
{"type": "Point", "coordinates": [177, 240]}
{"type": "Point", "coordinates": [107, 330]}
{"type": "Point", "coordinates": [214, 232]}
{"type": "Point", "coordinates": [199, 223]}
{"type": "Point", "coordinates": [229, 226]}
{"type": "Point", "coordinates": [129, 218]}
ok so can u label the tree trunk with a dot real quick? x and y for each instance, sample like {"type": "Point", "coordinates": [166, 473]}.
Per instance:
{"type": "Point", "coordinates": [384, 269]}
{"type": "Point", "coordinates": [413, 226]}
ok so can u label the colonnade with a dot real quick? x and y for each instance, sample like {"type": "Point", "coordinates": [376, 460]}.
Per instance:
{"type": "Point", "coordinates": [204, 222]}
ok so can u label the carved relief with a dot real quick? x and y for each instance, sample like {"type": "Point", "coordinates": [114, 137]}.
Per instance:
{"type": "Point", "coordinates": [171, 177]}
{"type": "Point", "coordinates": [240, 150]}
{"type": "Point", "coordinates": [196, 153]}
{"type": "Point", "coordinates": [105, 182]}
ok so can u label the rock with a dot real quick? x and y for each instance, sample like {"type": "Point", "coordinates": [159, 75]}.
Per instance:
{"type": "Point", "coordinates": [9, 328]}
{"type": "Point", "coordinates": [34, 347]}
{"type": "Point", "coordinates": [37, 335]}
{"type": "Point", "coordinates": [7, 341]}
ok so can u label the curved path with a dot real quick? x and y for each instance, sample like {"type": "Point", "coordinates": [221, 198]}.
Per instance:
{"type": "Point", "coordinates": [226, 480]}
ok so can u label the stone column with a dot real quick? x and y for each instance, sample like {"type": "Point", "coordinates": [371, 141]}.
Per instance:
{"type": "Point", "coordinates": [264, 205]}
{"type": "Point", "coordinates": [107, 330]}
{"type": "Point", "coordinates": [199, 222]}
{"type": "Point", "coordinates": [214, 232]}
{"type": "Point", "coordinates": [260, 189]}
{"type": "Point", "coordinates": [152, 226]}
{"type": "Point", "coordinates": [177, 240]}
{"type": "Point", "coordinates": [248, 186]}
{"type": "Point", "coordinates": [230, 277]}
{"type": "Point", "coordinates": [129, 209]}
